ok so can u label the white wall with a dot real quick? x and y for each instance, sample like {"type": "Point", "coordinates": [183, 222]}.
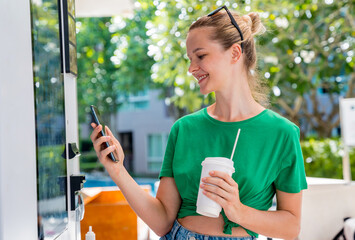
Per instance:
{"type": "Point", "coordinates": [326, 203]}
{"type": "Point", "coordinates": [18, 210]}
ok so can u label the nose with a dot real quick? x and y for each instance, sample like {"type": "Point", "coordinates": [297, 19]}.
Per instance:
{"type": "Point", "coordinates": [193, 67]}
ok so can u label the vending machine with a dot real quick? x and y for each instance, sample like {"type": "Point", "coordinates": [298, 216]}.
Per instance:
{"type": "Point", "coordinates": [60, 207]}
{"type": "Point", "coordinates": [40, 179]}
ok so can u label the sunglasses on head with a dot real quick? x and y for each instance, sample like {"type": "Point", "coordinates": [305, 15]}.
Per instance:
{"type": "Point", "coordinates": [232, 20]}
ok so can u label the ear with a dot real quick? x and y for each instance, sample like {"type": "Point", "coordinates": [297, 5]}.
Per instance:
{"type": "Point", "coordinates": [236, 52]}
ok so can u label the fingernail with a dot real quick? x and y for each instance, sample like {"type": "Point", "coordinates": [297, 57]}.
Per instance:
{"type": "Point", "coordinates": [212, 172]}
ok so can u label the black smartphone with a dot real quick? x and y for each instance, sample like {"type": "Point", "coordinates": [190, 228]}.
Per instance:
{"type": "Point", "coordinates": [96, 118]}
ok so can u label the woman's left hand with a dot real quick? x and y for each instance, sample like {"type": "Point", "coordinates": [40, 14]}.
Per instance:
{"type": "Point", "coordinates": [224, 190]}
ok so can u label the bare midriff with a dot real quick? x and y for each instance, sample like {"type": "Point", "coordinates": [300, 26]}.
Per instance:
{"type": "Point", "coordinates": [210, 226]}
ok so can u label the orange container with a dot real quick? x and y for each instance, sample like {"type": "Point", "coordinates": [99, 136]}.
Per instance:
{"type": "Point", "coordinates": [109, 214]}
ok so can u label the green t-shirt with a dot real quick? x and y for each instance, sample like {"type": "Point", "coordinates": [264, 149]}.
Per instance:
{"type": "Point", "coordinates": [268, 156]}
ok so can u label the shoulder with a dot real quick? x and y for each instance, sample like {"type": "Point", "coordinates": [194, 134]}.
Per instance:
{"type": "Point", "coordinates": [281, 124]}
{"type": "Point", "coordinates": [190, 119]}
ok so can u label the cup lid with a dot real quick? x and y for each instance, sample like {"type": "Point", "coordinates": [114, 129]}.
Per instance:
{"type": "Point", "coordinates": [226, 162]}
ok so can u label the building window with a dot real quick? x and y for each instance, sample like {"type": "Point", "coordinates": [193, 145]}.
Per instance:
{"type": "Point", "coordinates": [133, 102]}
{"type": "Point", "coordinates": [156, 148]}
{"type": "Point", "coordinates": [133, 106]}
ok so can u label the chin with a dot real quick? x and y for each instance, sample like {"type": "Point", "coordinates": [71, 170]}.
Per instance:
{"type": "Point", "coordinates": [205, 92]}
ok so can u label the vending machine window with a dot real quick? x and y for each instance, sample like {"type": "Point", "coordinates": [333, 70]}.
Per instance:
{"type": "Point", "coordinates": [50, 119]}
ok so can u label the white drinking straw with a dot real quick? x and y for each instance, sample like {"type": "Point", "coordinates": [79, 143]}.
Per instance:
{"type": "Point", "coordinates": [235, 143]}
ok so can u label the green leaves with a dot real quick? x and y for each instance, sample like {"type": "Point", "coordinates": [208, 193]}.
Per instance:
{"type": "Point", "coordinates": [313, 56]}
{"type": "Point", "coordinates": [323, 158]}
{"type": "Point", "coordinates": [307, 49]}
{"type": "Point", "coordinates": [112, 61]}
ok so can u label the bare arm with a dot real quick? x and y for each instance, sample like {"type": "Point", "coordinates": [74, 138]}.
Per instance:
{"type": "Point", "coordinates": [283, 223]}
{"type": "Point", "coordinates": [158, 213]}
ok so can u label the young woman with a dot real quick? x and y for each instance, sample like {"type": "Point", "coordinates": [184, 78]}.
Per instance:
{"type": "Point", "coordinates": [268, 158]}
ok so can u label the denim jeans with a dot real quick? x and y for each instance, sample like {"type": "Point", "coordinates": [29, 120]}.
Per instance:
{"type": "Point", "coordinates": [178, 232]}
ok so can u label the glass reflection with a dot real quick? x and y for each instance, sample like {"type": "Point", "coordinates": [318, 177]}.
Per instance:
{"type": "Point", "coordinates": [73, 62]}
{"type": "Point", "coordinates": [50, 119]}
{"type": "Point", "coordinates": [71, 7]}
{"type": "Point", "coordinates": [72, 33]}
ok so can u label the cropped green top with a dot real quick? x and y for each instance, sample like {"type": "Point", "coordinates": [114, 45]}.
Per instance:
{"type": "Point", "coordinates": [268, 156]}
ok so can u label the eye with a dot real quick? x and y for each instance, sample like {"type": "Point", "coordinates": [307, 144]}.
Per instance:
{"type": "Point", "coordinates": [202, 56]}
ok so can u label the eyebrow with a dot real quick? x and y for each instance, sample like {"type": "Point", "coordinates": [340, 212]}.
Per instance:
{"type": "Point", "coordinates": [197, 49]}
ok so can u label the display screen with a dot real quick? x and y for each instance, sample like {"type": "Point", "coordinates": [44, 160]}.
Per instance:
{"type": "Point", "coordinates": [50, 119]}
{"type": "Point", "coordinates": [72, 29]}
{"type": "Point", "coordinates": [69, 31]}
{"type": "Point", "coordinates": [73, 59]}
{"type": "Point", "coordinates": [71, 7]}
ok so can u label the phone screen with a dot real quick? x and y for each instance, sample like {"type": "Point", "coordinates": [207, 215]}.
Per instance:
{"type": "Point", "coordinates": [96, 118]}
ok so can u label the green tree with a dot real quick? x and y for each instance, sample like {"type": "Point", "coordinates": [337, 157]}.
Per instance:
{"type": "Point", "coordinates": [96, 82]}
{"type": "Point", "coordinates": [309, 52]}
{"type": "Point", "coordinates": [168, 31]}
{"type": "Point", "coordinates": [308, 48]}
{"type": "Point", "coordinates": [112, 61]}
{"type": "Point", "coordinates": [323, 158]}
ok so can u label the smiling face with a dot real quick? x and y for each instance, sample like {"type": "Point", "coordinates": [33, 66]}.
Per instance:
{"type": "Point", "coordinates": [210, 64]}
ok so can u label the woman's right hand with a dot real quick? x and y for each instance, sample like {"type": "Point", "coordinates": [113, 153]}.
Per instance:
{"type": "Point", "coordinates": [102, 152]}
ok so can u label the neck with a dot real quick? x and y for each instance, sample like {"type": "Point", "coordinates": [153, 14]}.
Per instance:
{"type": "Point", "coordinates": [235, 102]}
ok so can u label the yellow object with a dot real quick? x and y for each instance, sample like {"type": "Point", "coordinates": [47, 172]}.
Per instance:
{"type": "Point", "coordinates": [108, 212]}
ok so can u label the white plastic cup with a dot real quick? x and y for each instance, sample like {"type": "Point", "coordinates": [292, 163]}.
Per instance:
{"type": "Point", "coordinates": [206, 206]}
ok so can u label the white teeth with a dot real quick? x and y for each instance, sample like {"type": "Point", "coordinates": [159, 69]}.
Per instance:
{"type": "Point", "coordinates": [203, 76]}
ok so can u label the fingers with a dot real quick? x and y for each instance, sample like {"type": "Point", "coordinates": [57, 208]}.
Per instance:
{"type": "Point", "coordinates": [214, 184]}
{"type": "Point", "coordinates": [218, 199]}
{"type": "Point", "coordinates": [103, 154]}
{"type": "Point", "coordinates": [222, 189]}
{"type": "Point", "coordinates": [98, 142]}
{"type": "Point", "coordinates": [109, 133]}
{"type": "Point", "coordinates": [222, 181]}
{"type": "Point", "coordinates": [220, 184]}
{"type": "Point", "coordinates": [216, 190]}
{"type": "Point", "coordinates": [96, 132]}
{"type": "Point", "coordinates": [225, 176]}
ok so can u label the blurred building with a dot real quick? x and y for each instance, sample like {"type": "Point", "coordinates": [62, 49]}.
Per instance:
{"type": "Point", "coordinates": [143, 125]}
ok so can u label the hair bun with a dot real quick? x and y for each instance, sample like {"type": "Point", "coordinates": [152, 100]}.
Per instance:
{"type": "Point", "coordinates": [255, 24]}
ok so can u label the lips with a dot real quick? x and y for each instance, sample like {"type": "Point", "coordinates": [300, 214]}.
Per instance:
{"type": "Point", "coordinates": [201, 78]}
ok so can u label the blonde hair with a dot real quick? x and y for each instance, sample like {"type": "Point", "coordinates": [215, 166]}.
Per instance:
{"type": "Point", "coordinates": [226, 34]}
